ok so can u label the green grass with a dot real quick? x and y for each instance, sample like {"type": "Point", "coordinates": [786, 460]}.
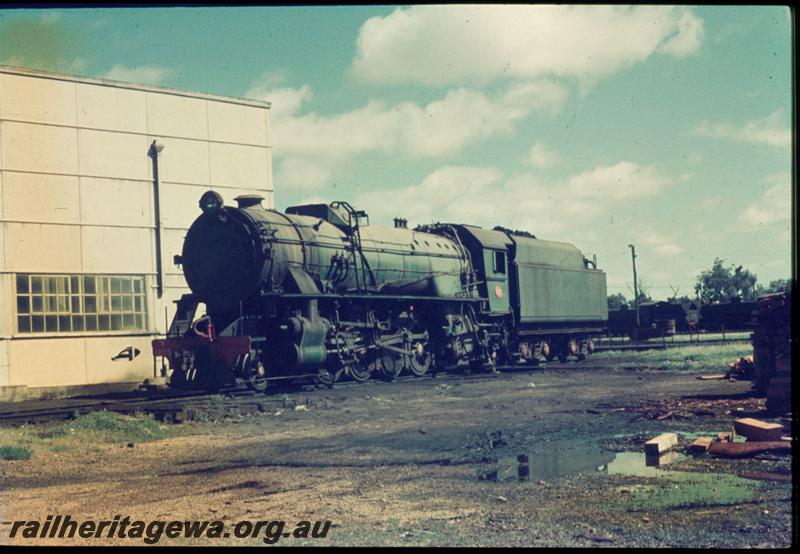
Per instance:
{"type": "Point", "coordinates": [106, 426]}
{"type": "Point", "coordinates": [686, 490]}
{"type": "Point", "coordinates": [14, 453]}
{"type": "Point", "coordinates": [712, 359]}
{"type": "Point", "coordinates": [84, 432]}
{"type": "Point", "coordinates": [733, 335]}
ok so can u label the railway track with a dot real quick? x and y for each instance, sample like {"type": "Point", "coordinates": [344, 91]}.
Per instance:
{"type": "Point", "coordinates": [173, 406]}
{"type": "Point", "coordinates": [162, 403]}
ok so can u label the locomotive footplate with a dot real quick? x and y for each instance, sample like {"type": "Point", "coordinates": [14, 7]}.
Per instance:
{"type": "Point", "coordinates": [224, 349]}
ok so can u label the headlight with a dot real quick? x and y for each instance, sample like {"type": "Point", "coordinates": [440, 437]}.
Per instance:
{"type": "Point", "coordinates": [210, 202]}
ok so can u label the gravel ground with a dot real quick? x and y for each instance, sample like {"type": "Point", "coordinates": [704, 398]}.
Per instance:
{"type": "Point", "coordinates": [412, 463]}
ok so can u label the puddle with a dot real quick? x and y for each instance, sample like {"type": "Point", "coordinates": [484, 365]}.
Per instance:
{"type": "Point", "coordinates": [556, 462]}
{"type": "Point", "coordinates": [561, 460]}
{"type": "Point", "coordinates": [639, 464]}
{"type": "Point", "coordinates": [570, 460]}
{"type": "Point", "coordinates": [665, 489]}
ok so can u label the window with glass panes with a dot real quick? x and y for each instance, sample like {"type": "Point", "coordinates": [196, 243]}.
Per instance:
{"type": "Point", "coordinates": [78, 303]}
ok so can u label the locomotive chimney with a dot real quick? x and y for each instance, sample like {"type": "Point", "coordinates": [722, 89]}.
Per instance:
{"type": "Point", "coordinates": [248, 200]}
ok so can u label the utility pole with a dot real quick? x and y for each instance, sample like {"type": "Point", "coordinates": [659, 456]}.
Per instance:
{"type": "Point", "coordinates": [635, 288]}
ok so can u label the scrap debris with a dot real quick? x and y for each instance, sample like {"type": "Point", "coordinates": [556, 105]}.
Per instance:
{"type": "Point", "coordinates": [742, 369]}
{"type": "Point", "coordinates": [660, 444]}
{"type": "Point", "coordinates": [687, 408]}
{"type": "Point", "coordinates": [756, 430]}
{"type": "Point", "coordinates": [747, 449]}
{"type": "Point", "coordinates": [701, 445]}
{"type": "Point", "coordinates": [766, 476]}
{"type": "Point", "coordinates": [748, 437]}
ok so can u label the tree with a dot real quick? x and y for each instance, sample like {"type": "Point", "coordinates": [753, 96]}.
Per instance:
{"type": "Point", "coordinates": [617, 301]}
{"type": "Point", "coordinates": [682, 299]}
{"type": "Point", "coordinates": [644, 294]}
{"type": "Point", "coordinates": [722, 284]}
{"type": "Point", "coordinates": [778, 285]}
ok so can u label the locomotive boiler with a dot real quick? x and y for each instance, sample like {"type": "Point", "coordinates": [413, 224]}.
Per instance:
{"type": "Point", "coordinates": [319, 292]}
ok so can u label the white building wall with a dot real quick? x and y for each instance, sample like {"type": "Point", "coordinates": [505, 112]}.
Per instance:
{"type": "Point", "coordinates": [77, 198]}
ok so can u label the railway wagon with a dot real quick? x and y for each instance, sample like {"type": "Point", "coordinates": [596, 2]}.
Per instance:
{"type": "Point", "coordinates": [318, 292]}
{"type": "Point", "coordinates": [621, 322]}
{"type": "Point", "coordinates": [735, 315]}
{"type": "Point", "coordinates": [726, 316]}
{"type": "Point", "coordinates": [653, 312]}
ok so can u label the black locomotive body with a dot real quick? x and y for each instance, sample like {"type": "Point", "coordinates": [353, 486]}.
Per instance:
{"type": "Point", "coordinates": [318, 292]}
{"type": "Point", "coordinates": [689, 317]}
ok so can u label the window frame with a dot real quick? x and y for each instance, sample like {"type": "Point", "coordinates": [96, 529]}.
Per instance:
{"type": "Point", "coordinates": [107, 304]}
{"type": "Point", "coordinates": [499, 268]}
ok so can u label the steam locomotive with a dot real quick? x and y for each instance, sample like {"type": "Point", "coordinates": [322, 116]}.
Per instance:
{"type": "Point", "coordinates": [319, 292]}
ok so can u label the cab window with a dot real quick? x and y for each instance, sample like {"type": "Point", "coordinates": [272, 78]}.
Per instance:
{"type": "Point", "coordinates": [499, 262]}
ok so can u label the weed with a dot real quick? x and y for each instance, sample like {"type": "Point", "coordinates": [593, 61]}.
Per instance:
{"type": "Point", "coordinates": [103, 426]}
{"type": "Point", "coordinates": [690, 358]}
{"type": "Point", "coordinates": [14, 453]}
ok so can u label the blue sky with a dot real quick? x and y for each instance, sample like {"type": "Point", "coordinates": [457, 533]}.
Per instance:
{"type": "Point", "coordinates": [667, 127]}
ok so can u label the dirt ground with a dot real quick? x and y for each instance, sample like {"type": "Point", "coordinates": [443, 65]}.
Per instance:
{"type": "Point", "coordinates": [414, 463]}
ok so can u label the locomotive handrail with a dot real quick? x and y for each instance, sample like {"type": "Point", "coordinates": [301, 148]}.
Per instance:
{"type": "Point", "coordinates": [355, 241]}
{"type": "Point", "coordinates": [338, 296]}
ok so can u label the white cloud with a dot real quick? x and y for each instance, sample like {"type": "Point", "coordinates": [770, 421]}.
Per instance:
{"type": "Point", "coordinates": [465, 116]}
{"type": "Point", "coordinates": [439, 45]}
{"type": "Point", "coordinates": [366, 129]}
{"type": "Point", "coordinates": [147, 74]}
{"type": "Point", "coordinates": [542, 156]}
{"type": "Point", "coordinates": [687, 36]}
{"type": "Point", "coordinates": [74, 66]}
{"type": "Point", "coordinates": [77, 66]}
{"type": "Point", "coordinates": [285, 101]}
{"type": "Point", "coordinates": [771, 130]}
{"type": "Point", "coordinates": [317, 144]}
{"type": "Point", "coordinates": [658, 243]}
{"type": "Point", "coordinates": [622, 181]}
{"type": "Point", "coordinates": [303, 172]}
{"type": "Point", "coordinates": [486, 196]}
{"type": "Point", "coordinates": [14, 61]}
{"type": "Point", "coordinates": [772, 209]}
{"type": "Point", "coordinates": [447, 194]}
